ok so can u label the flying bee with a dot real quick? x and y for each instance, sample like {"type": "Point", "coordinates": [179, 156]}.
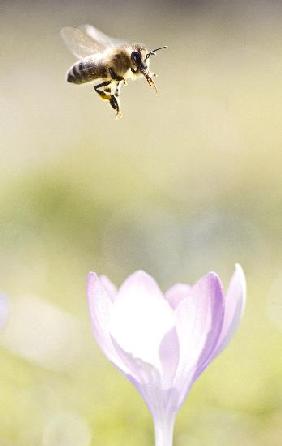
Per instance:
{"type": "Point", "coordinates": [105, 59]}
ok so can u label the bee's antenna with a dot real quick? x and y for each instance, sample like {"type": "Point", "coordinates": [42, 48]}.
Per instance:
{"type": "Point", "coordinates": [153, 52]}
{"type": "Point", "coordinates": [161, 48]}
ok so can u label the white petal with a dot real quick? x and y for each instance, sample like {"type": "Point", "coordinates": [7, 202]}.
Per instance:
{"type": "Point", "coordinates": [141, 317]}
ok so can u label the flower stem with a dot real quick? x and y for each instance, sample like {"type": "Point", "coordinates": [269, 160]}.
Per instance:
{"type": "Point", "coordinates": [164, 431]}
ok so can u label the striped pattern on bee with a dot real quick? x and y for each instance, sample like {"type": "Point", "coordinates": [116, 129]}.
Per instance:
{"type": "Point", "coordinates": [85, 71]}
{"type": "Point", "coordinates": [94, 67]}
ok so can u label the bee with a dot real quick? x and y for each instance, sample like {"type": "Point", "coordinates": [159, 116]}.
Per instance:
{"type": "Point", "coordinates": [108, 60]}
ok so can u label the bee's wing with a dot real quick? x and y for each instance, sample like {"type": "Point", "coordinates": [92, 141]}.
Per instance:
{"type": "Point", "coordinates": [100, 38]}
{"type": "Point", "coordinates": [78, 42]}
{"type": "Point", "coordinates": [87, 40]}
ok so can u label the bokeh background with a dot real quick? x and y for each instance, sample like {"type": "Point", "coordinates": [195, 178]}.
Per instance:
{"type": "Point", "coordinates": [188, 181]}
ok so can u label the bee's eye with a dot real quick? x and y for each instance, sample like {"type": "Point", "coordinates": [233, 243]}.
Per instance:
{"type": "Point", "coordinates": [135, 56]}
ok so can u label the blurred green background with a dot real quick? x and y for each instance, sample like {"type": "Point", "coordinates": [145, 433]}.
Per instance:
{"type": "Point", "coordinates": [188, 181]}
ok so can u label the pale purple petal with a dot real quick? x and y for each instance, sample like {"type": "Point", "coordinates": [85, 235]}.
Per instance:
{"type": "Point", "coordinates": [211, 284]}
{"type": "Point", "coordinates": [199, 323]}
{"type": "Point", "coordinates": [149, 382]}
{"type": "Point", "coordinates": [176, 293]}
{"type": "Point", "coordinates": [100, 305]}
{"type": "Point", "coordinates": [144, 376]}
{"type": "Point", "coordinates": [169, 357]}
{"type": "Point", "coordinates": [142, 283]}
{"type": "Point", "coordinates": [234, 308]}
{"type": "Point", "coordinates": [109, 286]}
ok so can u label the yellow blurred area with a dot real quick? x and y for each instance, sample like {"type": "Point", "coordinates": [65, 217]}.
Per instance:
{"type": "Point", "coordinates": [188, 181]}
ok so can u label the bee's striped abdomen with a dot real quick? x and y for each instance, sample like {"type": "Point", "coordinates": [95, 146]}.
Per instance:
{"type": "Point", "coordinates": [85, 71]}
{"type": "Point", "coordinates": [76, 73]}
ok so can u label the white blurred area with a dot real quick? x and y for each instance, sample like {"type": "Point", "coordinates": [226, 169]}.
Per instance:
{"type": "Point", "coordinates": [44, 334]}
{"type": "Point", "coordinates": [66, 429]}
{"type": "Point", "coordinates": [3, 309]}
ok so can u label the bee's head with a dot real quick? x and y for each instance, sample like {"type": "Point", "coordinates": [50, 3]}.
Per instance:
{"type": "Point", "coordinates": [140, 59]}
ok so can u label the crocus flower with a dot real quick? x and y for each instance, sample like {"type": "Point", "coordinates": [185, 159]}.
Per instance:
{"type": "Point", "coordinates": [163, 342]}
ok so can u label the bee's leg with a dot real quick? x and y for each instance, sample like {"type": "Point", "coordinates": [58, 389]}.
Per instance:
{"type": "Point", "coordinates": [117, 100]}
{"type": "Point", "coordinates": [118, 87]}
{"type": "Point", "coordinates": [109, 92]}
{"type": "Point", "coordinates": [115, 76]}
{"type": "Point", "coordinates": [103, 92]}
{"type": "Point", "coordinates": [115, 105]}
